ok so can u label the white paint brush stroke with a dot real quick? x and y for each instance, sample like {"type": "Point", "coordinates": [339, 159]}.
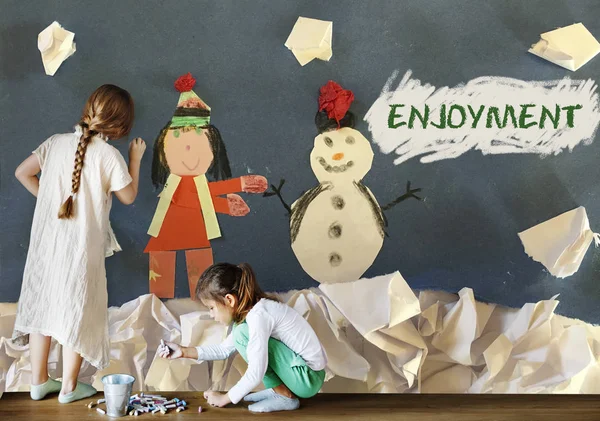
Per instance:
{"type": "Point", "coordinates": [438, 144]}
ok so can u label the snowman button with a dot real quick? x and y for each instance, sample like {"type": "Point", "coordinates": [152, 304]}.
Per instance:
{"type": "Point", "coordinates": [335, 230]}
{"type": "Point", "coordinates": [335, 259]}
{"type": "Point", "coordinates": [338, 202]}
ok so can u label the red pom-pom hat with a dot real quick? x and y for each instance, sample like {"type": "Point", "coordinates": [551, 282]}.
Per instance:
{"type": "Point", "coordinates": [191, 110]}
{"type": "Point", "coordinates": [335, 100]}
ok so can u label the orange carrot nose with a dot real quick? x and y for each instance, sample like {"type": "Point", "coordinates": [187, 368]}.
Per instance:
{"type": "Point", "coordinates": [338, 156]}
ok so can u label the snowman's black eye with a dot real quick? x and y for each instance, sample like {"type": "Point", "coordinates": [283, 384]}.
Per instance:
{"type": "Point", "coordinates": [350, 140]}
{"type": "Point", "coordinates": [328, 141]}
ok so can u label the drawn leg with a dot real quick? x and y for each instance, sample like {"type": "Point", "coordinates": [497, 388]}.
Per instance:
{"type": "Point", "coordinates": [162, 273]}
{"type": "Point", "coordinates": [197, 261]}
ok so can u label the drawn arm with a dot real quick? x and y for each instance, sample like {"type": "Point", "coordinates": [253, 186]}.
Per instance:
{"type": "Point", "coordinates": [277, 191]}
{"type": "Point", "coordinates": [409, 193]}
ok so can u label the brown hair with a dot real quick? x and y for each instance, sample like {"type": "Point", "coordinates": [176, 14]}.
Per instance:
{"type": "Point", "coordinates": [225, 278]}
{"type": "Point", "coordinates": [108, 111]}
{"type": "Point", "coordinates": [219, 169]}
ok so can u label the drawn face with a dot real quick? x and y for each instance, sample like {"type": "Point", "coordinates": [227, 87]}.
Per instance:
{"type": "Point", "coordinates": [188, 151]}
{"type": "Point", "coordinates": [341, 154]}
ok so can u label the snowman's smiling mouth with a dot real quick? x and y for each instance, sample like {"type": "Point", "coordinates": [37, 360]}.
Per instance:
{"type": "Point", "coordinates": [194, 167]}
{"type": "Point", "coordinates": [334, 168]}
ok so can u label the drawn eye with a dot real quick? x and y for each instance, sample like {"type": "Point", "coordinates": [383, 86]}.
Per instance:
{"type": "Point", "coordinates": [350, 140]}
{"type": "Point", "coordinates": [176, 133]}
{"type": "Point", "coordinates": [328, 141]}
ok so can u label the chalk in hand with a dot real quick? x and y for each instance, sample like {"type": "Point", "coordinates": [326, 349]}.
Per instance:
{"type": "Point", "coordinates": [164, 349]}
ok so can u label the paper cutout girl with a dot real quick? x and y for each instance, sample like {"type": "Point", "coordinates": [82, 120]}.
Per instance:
{"type": "Point", "coordinates": [187, 149]}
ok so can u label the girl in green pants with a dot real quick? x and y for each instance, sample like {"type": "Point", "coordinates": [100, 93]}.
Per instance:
{"type": "Point", "coordinates": [280, 347]}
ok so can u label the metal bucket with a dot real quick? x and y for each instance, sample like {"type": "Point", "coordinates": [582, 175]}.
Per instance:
{"type": "Point", "coordinates": [117, 390]}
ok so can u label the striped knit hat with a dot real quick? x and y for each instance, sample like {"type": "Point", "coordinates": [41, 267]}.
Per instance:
{"type": "Point", "coordinates": [191, 110]}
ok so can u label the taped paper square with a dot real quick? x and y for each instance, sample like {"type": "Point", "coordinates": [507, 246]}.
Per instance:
{"type": "Point", "coordinates": [561, 242]}
{"type": "Point", "coordinates": [310, 39]}
{"type": "Point", "coordinates": [570, 47]}
{"type": "Point", "coordinates": [56, 45]}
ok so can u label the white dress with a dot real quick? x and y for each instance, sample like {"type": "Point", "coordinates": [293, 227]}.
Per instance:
{"type": "Point", "coordinates": [64, 283]}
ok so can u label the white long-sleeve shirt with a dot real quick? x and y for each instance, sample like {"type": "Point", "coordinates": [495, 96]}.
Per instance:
{"type": "Point", "coordinates": [267, 319]}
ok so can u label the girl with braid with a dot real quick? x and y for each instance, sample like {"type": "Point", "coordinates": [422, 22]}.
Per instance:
{"type": "Point", "coordinates": [64, 294]}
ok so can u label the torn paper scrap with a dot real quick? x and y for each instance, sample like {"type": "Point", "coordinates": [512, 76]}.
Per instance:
{"type": "Point", "coordinates": [375, 303]}
{"type": "Point", "coordinates": [561, 242]}
{"type": "Point", "coordinates": [112, 246]}
{"type": "Point", "coordinates": [56, 45]}
{"type": "Point", "coordinates": [570, 47]}
{"type": "Point", "coordinates": [380, 309]}
{"type": "Point", "coordinates": [463, 325]}
{"type": "Point", "coordinates": [343, 360]}
{"type": "Point", "coordinates": [310, 39]}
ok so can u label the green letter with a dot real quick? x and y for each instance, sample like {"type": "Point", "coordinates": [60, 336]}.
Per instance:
{"type": "Point", "coordinates": [546, 114]}
{"type": "Point", "coordinates": [442, 124]}
{"type": "Point", "coordinates": [475, 117]}
{"type": "Point", "coordinates": [570, 110]}
{"type": "Point", "coordinates": [524, 115]}
{"type": "Point", "coordinates": [511, 110]}
{"type": "Point", "coordinates": [393, 116]}
{"type": "Point", "coordinates": [462, 114]}
{"type": "Point", "coordinates": [493, 112]}
{"type": "Point", "coordinates": [414, 112]}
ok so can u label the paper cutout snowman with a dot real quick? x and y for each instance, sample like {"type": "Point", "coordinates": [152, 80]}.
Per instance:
{"type": "Point", "coordinates": [337, 228]}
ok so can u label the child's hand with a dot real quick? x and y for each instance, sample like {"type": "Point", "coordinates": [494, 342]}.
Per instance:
{"type": "Point", "coordinates": [216, 399]}
{"type": "Point", "coordinates": [136, 149]}
{"type": "Point", "coordinates": [254, 183]}
{"type": "Point", "coordinates": [170, 351]}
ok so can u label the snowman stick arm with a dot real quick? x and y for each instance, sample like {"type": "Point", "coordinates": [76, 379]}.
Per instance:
{"type": "Point", "coordinates": [409, 193]}
{"type": "Point", "coordinates": [277, 191]}
{"type": "Point", "coordinates": [285, 205]}
{"type": "Point", "coordinates": [395, 202]}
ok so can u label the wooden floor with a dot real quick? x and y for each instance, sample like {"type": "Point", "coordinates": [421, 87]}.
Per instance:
{"type": "Point", "coordinates": [334, 407]}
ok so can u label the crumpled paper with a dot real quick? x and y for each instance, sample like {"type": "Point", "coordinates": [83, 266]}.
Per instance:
{"type": "Point", "coordinates": [381, 309]}
{"type": "Point", "coordinates": [570, 47]}
{"type": "Point", "coordinates": [310, 39]}
{"type": "Point", "coordinates": [383, 341]}
{"type": "Point", "coordinates": [56, 44]}
{"type": "Point", "coordinates": [560, 243]}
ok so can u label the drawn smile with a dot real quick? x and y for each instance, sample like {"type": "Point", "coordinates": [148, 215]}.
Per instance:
{"type": "Point", "coordinates": [334, 168]}
{"type": "Point", "coordinates": [192, 168]}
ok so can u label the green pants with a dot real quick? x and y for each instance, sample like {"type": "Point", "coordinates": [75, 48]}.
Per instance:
{"type": "Point", "coordinates": [284, 366]}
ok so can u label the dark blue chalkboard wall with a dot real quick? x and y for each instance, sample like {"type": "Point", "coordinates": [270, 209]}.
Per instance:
{"type": "Point", "coordinates": [263, 102]}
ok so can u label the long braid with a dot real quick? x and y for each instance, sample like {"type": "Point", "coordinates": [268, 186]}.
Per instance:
{"type": "Point", "coordinates": [66, 210]}
{"type": "Point", "coordinates": [108, 111]}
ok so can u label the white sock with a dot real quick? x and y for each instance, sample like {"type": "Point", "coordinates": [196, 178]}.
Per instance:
{"type": "Point", "coordinates": [39, 391]}
{"type": "Point", "coordinates": [260, 396]}
{"type": "Point", "coordinates": [275, 403]}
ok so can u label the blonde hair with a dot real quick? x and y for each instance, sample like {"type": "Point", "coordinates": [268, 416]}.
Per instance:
{"type": "Point", "coordinates": [108, 111]}
{"type": "Point", "coordinates": [221, 279]}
